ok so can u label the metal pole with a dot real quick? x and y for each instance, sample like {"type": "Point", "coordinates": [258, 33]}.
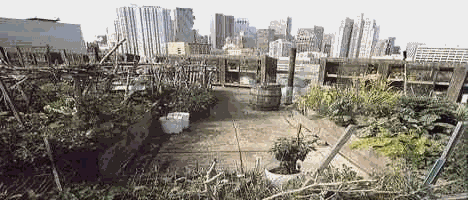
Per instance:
{"type": "Point", "coordinates": [289, 88]}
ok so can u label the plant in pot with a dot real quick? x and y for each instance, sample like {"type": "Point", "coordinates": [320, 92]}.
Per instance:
{"type": "Point", "coordinates": [288, 151]}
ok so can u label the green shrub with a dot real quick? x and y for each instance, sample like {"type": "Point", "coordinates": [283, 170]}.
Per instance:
{"type": "Point", "coordinates": [411, 145]}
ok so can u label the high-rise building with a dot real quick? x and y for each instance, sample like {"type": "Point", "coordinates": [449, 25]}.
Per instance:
{"type": "Point", "coordinates": [304, 39]}
{"type": "Point", "coordinates": [243, 29]}
{"type": "Point", "coordinates": [390, 46]}
{"type": "Point", "coordinates": [280, 48]}
{"type": "Point", "coordinates": [183, 24]}
{"type": "Point", "coordinates": [380, 48]}
{"type": "Point", "coordinates": [395, 50]}
{"type": "Point", "coordinates": [282, 29]}
{"type": "Point", "coordinates": [343, 39]}
{"type": "Point", "coordinates": [356, 35]}
{"type": "Point", "coordinates": [370, 36]}
{"type": "Point", "coordinates": [411, 48]}
{"type": "Point", "coordinates": [327, 43]}
{"type": "Point", "coordinates": [264, 37]}
{"type": "Point", "coordinates": [433, 54]}
{"type": "Point", "coordinates": [318, 38]}
{"type": "Point", "coordinates": [147, 30]}
{"type": "Point", "coordinates": [222, 28]}
{"type": "Point", "coordinates": [364, 37]}
{"type": "Point", "coordinates": [308, 39]}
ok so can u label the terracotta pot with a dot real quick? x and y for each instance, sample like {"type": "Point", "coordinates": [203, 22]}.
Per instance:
{"type": "Point", "coordinates": [279, 179]}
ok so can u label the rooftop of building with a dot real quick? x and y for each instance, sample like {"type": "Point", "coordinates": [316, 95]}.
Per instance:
{"type": "Point", "coordinates": [44, 20]}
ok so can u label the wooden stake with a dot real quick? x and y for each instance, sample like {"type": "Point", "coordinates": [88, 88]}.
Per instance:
{"type": "Point", "coordinates": [344, 138]}
{"type": "Point", "coordinates": [54, 170]}
{"type": "Point", "coordinates": [20, 57]}
{"type": "Point", "coordinates": [10, 102]}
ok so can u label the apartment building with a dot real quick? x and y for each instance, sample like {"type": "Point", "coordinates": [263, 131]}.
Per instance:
{"type": "Point", "coordinates": [280, 48]}
{"type": "Point", "coordinates": [222, 27]}
{"type": "Point", "coordinates": [183, 24]}
{"type": "Point", "coordinates": [282, 29]}
{"type": "Point", "coordinates": [147, 29]}
{"type": "Point", "coordinates": [370, 36]}
{"type": "Point", "coordinates": [449, 55]}
{"type": "Point", "coordinates": [309, 39]}
{"type": "Point", "coordinates": [343, 39]}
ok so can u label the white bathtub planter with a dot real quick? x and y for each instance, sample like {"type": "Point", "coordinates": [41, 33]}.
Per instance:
{"type": "Point", "coordinates": [175, 123]}
{"type": "Point", "coordinates": [289, 151]}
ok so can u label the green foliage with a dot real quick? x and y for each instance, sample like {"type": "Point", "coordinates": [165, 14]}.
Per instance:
{"type": "Point", "coordinates": [289, 150]}
{"type": "Point", "coordinates": [410, 145]}
{"type": "Point", "coordinates": [377, 98]}
{"type": "Point", "coordinates": [456, 168]}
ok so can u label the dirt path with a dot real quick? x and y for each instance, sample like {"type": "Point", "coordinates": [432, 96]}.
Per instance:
{"type": "Point", "coordinates": [215, 137]}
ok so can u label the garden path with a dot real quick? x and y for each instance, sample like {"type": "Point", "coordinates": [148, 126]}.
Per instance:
{"type": "Point", "coordinates": [215, 137]}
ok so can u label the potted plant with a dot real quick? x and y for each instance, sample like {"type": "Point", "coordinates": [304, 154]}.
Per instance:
{"type": "Point", "coordinates": [288, 151]}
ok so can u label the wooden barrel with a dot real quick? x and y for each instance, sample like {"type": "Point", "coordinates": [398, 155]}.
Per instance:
{"type": "Point", "coordinates": [265, 97]}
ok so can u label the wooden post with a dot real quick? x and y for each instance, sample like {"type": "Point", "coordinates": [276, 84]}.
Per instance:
{"type": "Point", "coordinates": [457, 82]}
{"type": "Point", "coordinates": [205, 76]}
{"type": "Point", "coordinates": [222, 65]}
{"type": "Point", "coordinates": [322, 71]}
{"type": "Point", "coordinates": [11, 103]}
{"type": "Point", "coordinates": [112, 51]}
{"type": "Point", "coordinates": [335, 150]}
{"type": "Point", "coordinates": [78, 93]}
{"type": "Point", "coordinates": [64, 57]}
{"type": "Point", "coordinates": [292, 65]}
{"type": "Point", "coordinates": [20, 57]}
{"type": "Point", "coordinates": [405, 81]}
{"type": "Point", "coordinates": [49, 61]}
{"type": "Point", "coordinates": [344, 138]}
{"type": "Point", "coordinates": [96, 52]}
{"type": "Point", "coordinates": [433, 175]}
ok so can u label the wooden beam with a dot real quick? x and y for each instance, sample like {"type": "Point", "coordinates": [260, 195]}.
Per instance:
{"type": "Point", "coordinates": [456, 83]}
{"type": "Point", "coordinates": [20, 57]}
{"type": "Point", "coordinates": [10, 102]}
{"type": "Point", "coordinates": [112, 51]}
{"type": "Point", "coordinates": [342, 141]}
{"type": "Point", "coordinates": [434, 173]}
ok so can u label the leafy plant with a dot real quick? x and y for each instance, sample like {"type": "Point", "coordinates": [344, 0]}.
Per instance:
{"type": "Point", "coordinates": [410, 145]}
{"type": "Point", "coordinates": [289, 150]}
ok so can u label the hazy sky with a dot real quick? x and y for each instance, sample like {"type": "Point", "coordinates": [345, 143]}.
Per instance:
{"type": "Point", "coordinates": [435, 23]}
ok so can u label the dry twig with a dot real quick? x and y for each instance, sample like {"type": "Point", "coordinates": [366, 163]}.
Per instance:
{"type": "Point", "coordinates": [315, 185]}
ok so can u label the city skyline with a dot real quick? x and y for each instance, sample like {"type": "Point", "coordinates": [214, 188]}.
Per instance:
{"type": "Point", "coordinates": [435, 25]}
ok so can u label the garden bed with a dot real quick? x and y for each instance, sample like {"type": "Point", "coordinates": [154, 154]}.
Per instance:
{"type": "Point", "coordinates": [410, 129]}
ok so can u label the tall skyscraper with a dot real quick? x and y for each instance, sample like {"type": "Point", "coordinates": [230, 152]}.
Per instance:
{"type": "Point", "coordinates": [343, 39]}
{"type": "Point", "coordinates": [318, 39]}
{"type": "Point", "coordinates": [356, 36]}
{"type": "Point", "coordinates": [327, 43]}
{"type": "Point", "coordinates": [390, 46]}
{"type": "Point", "coordinates": [309, 39]}
{"type": "Point", "coordinates": [184, 21]}
{"type": "Point", "coordinates": [370, 32]}
{"type": "Point", "coordinates": [222, 28]}
{"type": "Point", "coordinates": [304, 39]}
{"type": "Point", "coordinates": [147, 30]}
{"type": "Point", "coordinates": [282, 28]}
{"type": "Point", "coordinates": [242, 28]}
{"type": "Point", "coordinates": [364, 37]}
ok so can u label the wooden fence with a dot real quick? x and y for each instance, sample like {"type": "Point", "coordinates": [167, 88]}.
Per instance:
{"type": "Point", "coordinates": [413, 78]}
